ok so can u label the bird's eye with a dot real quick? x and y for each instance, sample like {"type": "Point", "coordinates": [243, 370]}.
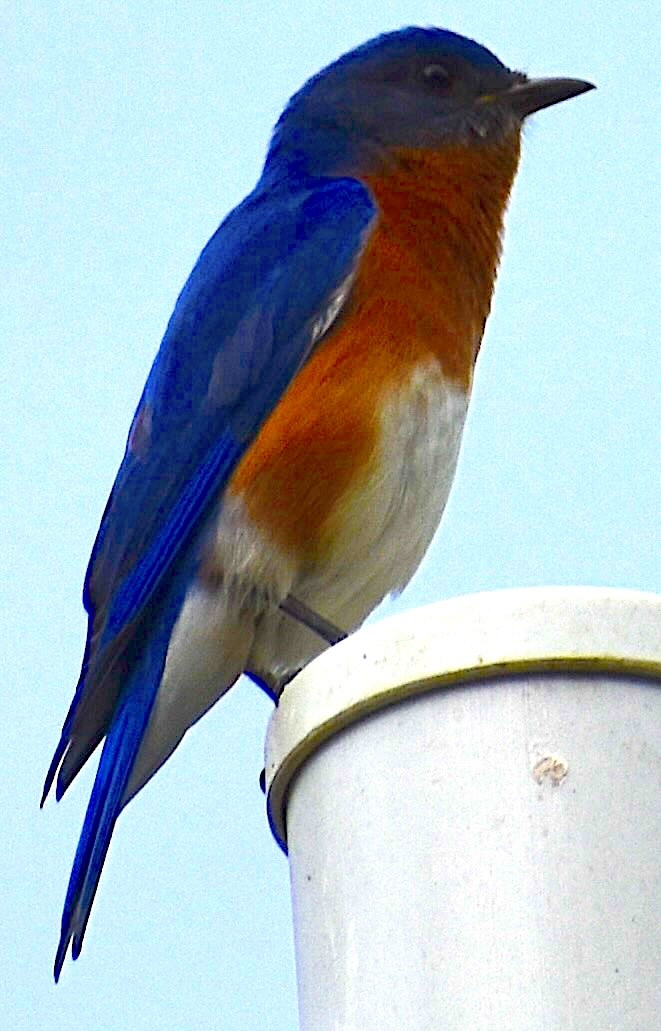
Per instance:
{"type": "Point", "coordinates": [436, 75]}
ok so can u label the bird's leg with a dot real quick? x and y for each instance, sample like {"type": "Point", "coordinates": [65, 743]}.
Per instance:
{"type": "Point", "coordinates": [312, 620]}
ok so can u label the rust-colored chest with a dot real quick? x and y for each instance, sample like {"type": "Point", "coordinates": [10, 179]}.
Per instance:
{"type": "Point", "coordinates": [421, 295]}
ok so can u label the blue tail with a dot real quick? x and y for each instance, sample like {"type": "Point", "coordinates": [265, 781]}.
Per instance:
{"type": "Point", "coordinates": [117, 759]}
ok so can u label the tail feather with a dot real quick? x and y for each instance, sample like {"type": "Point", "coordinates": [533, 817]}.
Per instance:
{"type": "Point", "coordinates": [117, 760]}
{"type": "Point", "coordinates": [55, 762]}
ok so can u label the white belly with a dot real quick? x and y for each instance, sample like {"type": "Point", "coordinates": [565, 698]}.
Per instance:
{"type": "Point", "coordinates": [382, 531]}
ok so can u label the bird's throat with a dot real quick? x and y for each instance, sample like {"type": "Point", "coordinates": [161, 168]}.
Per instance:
{"type": "Point", "coordinates": [440, 226]}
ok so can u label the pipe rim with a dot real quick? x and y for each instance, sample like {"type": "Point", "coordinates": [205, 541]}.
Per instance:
{"type": "Point", "coordinates": [549, 630]}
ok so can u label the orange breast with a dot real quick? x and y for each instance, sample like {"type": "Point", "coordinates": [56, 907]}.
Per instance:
{"type": "Point", "coordinates": [422, 291]}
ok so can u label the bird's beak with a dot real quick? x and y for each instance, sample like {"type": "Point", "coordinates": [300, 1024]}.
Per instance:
{"type": "Point", "coordinates": [525, 98]}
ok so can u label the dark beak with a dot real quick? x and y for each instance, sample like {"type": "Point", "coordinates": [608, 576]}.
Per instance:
{"type": "Point", "coordinates": [527, 97]}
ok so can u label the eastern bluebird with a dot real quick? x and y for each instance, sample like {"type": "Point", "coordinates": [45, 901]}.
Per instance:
{"type": "Point", "coordinates": [295, 443]}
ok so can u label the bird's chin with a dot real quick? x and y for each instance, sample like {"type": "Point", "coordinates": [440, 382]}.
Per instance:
{"type": "Point", "coordinates": [491, 125]}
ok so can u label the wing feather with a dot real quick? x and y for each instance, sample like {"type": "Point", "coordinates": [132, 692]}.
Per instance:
{"type": "Point", "coordinates": [243, 325]}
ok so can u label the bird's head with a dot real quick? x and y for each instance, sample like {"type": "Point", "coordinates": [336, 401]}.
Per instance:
{"type": "Point", "coordinates": [417, 88]}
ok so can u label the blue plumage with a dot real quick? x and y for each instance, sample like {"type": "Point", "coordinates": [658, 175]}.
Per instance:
{"type": "Point", "coordinates": [117, 758]}
{"type": "Point", "coordinates": [430, 41]}
{"type": "Point", "coordinates": [235, 340]}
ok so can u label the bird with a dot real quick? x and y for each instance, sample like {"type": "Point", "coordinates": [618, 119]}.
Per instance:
{"type": "Point", "coordinates": [295, 443]}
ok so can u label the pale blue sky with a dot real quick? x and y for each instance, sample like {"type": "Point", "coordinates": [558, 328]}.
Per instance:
{"type": "Point", "coordinates": [127, 131]}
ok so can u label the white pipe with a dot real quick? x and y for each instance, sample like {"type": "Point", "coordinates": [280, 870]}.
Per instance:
{"type": "Point", "coordinates": [470, 795]}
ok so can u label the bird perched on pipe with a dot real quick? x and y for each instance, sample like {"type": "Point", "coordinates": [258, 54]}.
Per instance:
{"type": "Point", "coordinates": [295, 443]}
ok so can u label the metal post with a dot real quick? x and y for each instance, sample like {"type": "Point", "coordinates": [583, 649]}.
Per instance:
{"type": "Point", "coordinates": [470, 795]}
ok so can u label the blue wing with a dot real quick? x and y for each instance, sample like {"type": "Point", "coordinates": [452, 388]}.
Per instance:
{"type": "Point", "coordinates": [242, 327]}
